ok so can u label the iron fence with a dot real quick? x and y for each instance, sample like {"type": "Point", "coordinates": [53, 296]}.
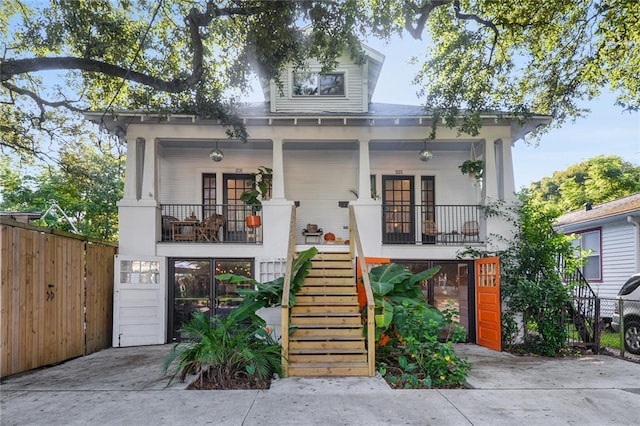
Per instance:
{"type": "Point", "coordinates": [621, 336]}
{"type": "Point", "coordinates": [431, 224]}
{"type": "Point", "coordinates": [218, 223]}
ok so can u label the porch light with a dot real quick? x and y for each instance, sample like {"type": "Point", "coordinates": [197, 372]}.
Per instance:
{"type": "Point", "coordinates": [425, 154]}
{"type": "Point", "coordinates": [216, 155]}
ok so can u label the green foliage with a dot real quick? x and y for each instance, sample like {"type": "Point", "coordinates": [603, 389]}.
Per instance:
{"type": "Point", "coordinates": [530, 282]}
{"type": "Point", "coordinates": [260, 186]}
{"type": "Point", "coordinates": [596, 180]}
{"type": "Point", "coordinates": [269, 293]}
{"type": "Point", "coordinates": [220, 350]}
{"type": "Point", "coordinates": [415, 347]}
{"type": "Point", "coordinates": [86, 184]}
{"type": "Point", "coordinates": [393, 286]}
{"type": "Point", "coordinates": [416, 356]}
{"type": "Point", "coordinates": [475, 167]}
{"type": "Point", "coordinates": [197, 56]}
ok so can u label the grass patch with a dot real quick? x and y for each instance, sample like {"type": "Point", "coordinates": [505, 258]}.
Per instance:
{"type": "Point", "coordinates": [610, 339]}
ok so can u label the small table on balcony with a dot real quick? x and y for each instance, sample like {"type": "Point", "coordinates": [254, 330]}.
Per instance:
{"type": "Point", "coordinates": [184, 230]}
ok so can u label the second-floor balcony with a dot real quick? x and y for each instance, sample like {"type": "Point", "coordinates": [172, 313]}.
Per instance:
{"type": "Point", "coordinates": [206, 223]}
{"type": "Point", "coordinates": [431, 224]}
{"type": "Point", "coordinates": [435, 225]}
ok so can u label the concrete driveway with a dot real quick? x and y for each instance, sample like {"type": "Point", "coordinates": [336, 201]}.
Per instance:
{"type": "Point", "coordinates": [126, 386]}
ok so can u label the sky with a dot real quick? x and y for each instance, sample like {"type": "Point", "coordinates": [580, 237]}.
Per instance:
{"type": "Point", "coordinates": [607, 130]}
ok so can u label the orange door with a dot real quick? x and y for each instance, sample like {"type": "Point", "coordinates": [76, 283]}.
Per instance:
{"type": "Point", "coordinates": [488, 303]}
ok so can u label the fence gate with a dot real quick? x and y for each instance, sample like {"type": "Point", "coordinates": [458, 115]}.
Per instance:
{"type": "Point", "coordinates": [488, 303]}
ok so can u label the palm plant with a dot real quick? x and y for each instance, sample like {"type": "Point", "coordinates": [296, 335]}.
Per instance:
{"type": "Point", "coordinates": [220, 350]}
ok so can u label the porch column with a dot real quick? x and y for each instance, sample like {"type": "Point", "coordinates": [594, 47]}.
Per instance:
{"type": "Point", "coordinates": [489, 176]}
{"type": "Point", "coordinates": [364, 172]}
{"type": "Point", "coordinates": [138, 210]}
{"type": "Point", "coordinates": [130, 173]}
{"type": "Point", "coordinates": [277, 188]}
{"type": "Point", "coordinates": [149, 187]}
{"type": "Point", "coordinates": [508, 180]}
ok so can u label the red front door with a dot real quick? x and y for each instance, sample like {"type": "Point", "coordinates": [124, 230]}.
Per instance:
{"type": "Point", "coordinates": [488, 303]}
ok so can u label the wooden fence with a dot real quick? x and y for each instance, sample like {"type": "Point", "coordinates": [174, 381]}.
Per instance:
{"type": "Point", "coordinates": [56, 299]}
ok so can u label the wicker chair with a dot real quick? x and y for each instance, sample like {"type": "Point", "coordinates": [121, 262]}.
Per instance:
{"type": "Point", "coordinates": [210, 226]}
{"type": "Point", "coordinates": [470, 230]}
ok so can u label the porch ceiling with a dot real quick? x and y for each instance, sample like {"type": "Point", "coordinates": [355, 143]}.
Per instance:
{"type": "Point", "coordinates": [375, 145]}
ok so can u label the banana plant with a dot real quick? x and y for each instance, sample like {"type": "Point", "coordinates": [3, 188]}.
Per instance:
{"type": "Point", "coordinates": [395, 286]}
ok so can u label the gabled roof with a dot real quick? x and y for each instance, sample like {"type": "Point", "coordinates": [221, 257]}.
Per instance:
{"type": "Point", "coordinates": [629, 205]}
{"type": "Point", "coordinates": [374, 59]}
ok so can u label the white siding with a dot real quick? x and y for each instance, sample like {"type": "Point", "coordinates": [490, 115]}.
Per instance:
{"type": "Point", "coordinates": [319, 179]}
{"type": "Point", "coordinates": [619, 246]}
{"type": "Point", "coordinates": [351, 102]}
{"type": "Point", "coordinates": [452, 187]}
{"type": "Point", "coordinates": [181, 171]}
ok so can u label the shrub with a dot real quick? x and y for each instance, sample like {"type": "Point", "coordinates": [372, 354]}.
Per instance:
{"type": "Point", "coordinates": [415, 340]}
{"type": "Point", "coordinates": [225, 353]}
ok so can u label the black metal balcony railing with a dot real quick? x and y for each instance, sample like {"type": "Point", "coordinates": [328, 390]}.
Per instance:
{"type": "Point", "coordinates": [429, 224]}
{"type": "Point", "coordinates": [220, 223]}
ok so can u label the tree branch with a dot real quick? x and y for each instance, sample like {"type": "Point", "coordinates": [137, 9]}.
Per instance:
{"type": "Point", "coordinates": [194, 21]}
{"type": "Point", "coordinates": [479, 20]}
{"type": "Point", "coordinates": [424, 11]}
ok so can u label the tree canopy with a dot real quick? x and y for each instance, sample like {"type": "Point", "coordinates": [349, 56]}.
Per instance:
{"type": "Point", "coordinates": [198, 56]}
{"type": "Point", "coordinates": [86, 184]}
{"type": "Point", "coordinates": [597, 180]}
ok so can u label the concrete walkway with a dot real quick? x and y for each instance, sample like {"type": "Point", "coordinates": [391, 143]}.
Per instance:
{"type": "Point", "coordinates": [126, 387]}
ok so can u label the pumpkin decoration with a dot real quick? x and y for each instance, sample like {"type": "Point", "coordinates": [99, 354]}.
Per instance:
{"type": "Point", "coordinates": [329, 236]}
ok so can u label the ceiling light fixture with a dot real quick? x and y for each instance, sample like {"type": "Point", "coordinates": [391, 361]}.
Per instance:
{"type": "Point", "coordinates": [425, 154]}
{"type": "Point", "coordinates": [216, 155]}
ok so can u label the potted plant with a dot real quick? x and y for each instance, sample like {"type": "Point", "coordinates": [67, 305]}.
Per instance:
{"type": "Point", "coordinates": [472, 168]}
{"type": "Point", "coordinates": [253, 197]}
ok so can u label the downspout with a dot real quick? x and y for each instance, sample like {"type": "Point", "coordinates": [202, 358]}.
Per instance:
{"type": "Point", "coordinates": [636, 221]}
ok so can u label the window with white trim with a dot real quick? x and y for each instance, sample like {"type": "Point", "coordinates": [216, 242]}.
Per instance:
{"type": "Point", "coordinates": [590, 244]}
{"type": "Point", "coordinates": [317, 84]}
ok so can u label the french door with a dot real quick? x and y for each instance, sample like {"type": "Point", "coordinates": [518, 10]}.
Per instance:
{"type": "Point", "coordinates": [193, 287]}
{"type": "Point", "coordinates": [398, 212]}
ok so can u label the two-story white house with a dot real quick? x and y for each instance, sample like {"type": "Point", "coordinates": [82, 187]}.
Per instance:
{"type": "Point", "coordinates": [325, 141]}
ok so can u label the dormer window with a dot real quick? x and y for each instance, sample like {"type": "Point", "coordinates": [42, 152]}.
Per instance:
{"type": "Point", "coordinates": [317, 84]}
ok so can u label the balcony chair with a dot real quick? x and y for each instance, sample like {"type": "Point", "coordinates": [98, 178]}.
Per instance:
{"type": "Point", "coordinates": [430, 232]}
{"type": "Point", "coordinates": [210, 226]}
{"type": "Point", "coordinates": [470, 230]}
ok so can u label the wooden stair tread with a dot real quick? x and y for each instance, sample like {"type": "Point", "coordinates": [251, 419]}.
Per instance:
{"type": "Point", "coordinates": [326, 326]}
{"type": "Point", "coordinates": [325, 314]}
{"type": "Point", "coordinates": [342, 351]}
{"type": "Point", "coordinates": [325, 338]}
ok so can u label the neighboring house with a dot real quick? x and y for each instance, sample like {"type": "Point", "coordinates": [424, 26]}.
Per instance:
{"type": "Point", "coordinates": [324, 140]}
{"type": "Point", "coordinates": [610, 234]}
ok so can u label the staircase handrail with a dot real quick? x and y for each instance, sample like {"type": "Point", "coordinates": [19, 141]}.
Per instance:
{"type": "Point", "coordinates": [284, 333]}
{"type": "Point", "coordinates": [585, 309]}
{"type": "Point", "coordinates": [356, 249]}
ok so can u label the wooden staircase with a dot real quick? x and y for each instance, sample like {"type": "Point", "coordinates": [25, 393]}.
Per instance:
{"type": "Point", "coordinates": [328, 340]}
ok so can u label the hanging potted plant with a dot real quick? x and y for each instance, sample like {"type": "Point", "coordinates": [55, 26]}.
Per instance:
{"type": "Point", "coordinates": [253, 197]}
{"type": "Point", "coordinates": [473, 168]}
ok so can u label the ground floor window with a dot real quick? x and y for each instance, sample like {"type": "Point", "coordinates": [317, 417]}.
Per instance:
{"type": "Point", "coordinates": [452, 288]}
{"type": "Point", "coordinates": [194, 288]}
